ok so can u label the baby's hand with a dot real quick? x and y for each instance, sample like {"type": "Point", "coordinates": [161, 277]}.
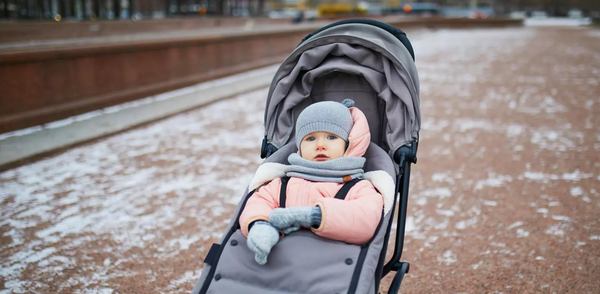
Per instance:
{"type": "Point", "coordinates": [291, 219]}
{"type": "Point", "coordinates": [261, 238]}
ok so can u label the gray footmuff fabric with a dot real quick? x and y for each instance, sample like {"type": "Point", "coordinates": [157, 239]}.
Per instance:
{"type": "Point", "coordinates": [300, 263]}
{"type": "Point", "coordinates": [291, 267]}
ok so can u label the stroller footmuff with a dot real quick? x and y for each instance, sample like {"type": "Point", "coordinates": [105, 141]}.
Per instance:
{"type": "Point", "coordinates": [371, 63]}
{"type": "Point", "coordinates": [289, 269]}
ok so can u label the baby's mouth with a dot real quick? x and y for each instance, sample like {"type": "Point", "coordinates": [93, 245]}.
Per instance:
{"type": "Point", "coordinates": [321, 157]}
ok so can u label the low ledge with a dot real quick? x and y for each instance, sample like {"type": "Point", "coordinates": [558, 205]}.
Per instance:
{"type": "Point", "coordinates": [33, 143]}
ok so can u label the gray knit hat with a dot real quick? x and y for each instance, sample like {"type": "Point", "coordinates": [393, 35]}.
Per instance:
{"type": "Point", "coordinates": [326, 116]}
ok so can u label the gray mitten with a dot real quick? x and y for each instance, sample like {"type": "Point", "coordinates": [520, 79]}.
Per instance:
{"type": "Point", "coordinates": [261, 238]}
{"type": "Point", "coordinates": [291, 219]}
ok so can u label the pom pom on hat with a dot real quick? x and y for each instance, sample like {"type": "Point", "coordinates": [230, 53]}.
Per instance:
{"type": "Point", "coordinates": [348, 102]}
{"type": "Point", "coordinates": [325, 116]}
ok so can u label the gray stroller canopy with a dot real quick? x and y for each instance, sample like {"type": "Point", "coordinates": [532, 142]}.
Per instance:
{"type": "Point", "coordinates": [354, 49]}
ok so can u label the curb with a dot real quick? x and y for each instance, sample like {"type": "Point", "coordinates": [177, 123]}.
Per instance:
{"type": "Point", "coordinates": [32, 143]}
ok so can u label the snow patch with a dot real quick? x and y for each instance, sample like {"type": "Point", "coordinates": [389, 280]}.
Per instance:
{"type": "Point", "coordinates": [514, 225]}
{"type": "Point", "coordinates": [557, 21]}
{"type": "Point", "coordinates": [99, 291]}
{"type": "Point", "coordinates": [542, 210]}
{"type": "Point", "coordinates": [562, 218]}
{"type": "Point", "coordinates": [514, 130]}
{"type": "Point", "coordinates": [493, 181]}
{"type": "Point", "coordinates": [187, 277]}
{"type": "Point", "coordinates": [576, 191]}
{"type": "Point", "coordinates": [521, 233]}
{"type": "Point", "coordinates": [447, 258]}
{"type": "Point", "coordinates": [466, 125]}
{"type": "Point", "coordinates": [461, 225]}
{"type": "Point", "coordinates": [445, 212]}
{"type": "Point", "coordinates": [410, 224]}
{"type": "Point", "coordinates": [544, 177]}
{"type": "Point", "coordinates": [556, 230]}
{"type": "Point", "coordinates": [489, 203]}
{"type": "Point", "coordinates": [442, 177]}
{"type": "Point", "coordinates": [441, 193]}
{"type": "Point", "coordinates": [184, 242]}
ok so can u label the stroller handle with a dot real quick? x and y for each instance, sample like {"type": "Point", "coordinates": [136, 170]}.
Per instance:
{"type": "Point", "coordinates": [404, 156]}
{"type": "Point", "coordinates": [406, 152]}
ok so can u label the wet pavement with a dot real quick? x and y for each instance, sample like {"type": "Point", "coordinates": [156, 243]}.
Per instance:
{"type": "Point", "coordinates": [504, 198]}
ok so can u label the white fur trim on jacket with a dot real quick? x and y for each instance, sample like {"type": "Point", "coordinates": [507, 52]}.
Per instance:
{"type": "Point", "coordinates": [265, 173]}
{"type": "Point", "coordinates": [384, 183]}
{"type": "Point", "coordinates": [381, 180]}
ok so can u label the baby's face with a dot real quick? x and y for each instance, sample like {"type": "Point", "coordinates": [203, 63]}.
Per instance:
{"type": "Point", "coordinates": [322, 146]}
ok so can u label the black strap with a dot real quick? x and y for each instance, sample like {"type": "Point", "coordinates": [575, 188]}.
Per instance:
{"type": "Point", "coordinates": [282, 191]}
{"type": "Point", "coordinates": [213, 254]}
{"type": "Point", "coordinates": [341, 194]}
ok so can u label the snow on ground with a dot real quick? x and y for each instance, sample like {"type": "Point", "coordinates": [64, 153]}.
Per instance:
{"type": "Point", "coordinates": [557, 21]}
{"type": "Point", "coordinates": [127, 192]}
{"type": "Point", "coordinates": [507, 178]}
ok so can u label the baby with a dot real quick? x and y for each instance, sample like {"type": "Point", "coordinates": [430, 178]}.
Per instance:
{"type": "Point", "coordinates": [332, 139]}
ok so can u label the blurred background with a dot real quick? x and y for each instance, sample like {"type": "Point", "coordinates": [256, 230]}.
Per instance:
{"type": "Point", "coordinates": [67, 57]}
{"type": "Point", "coordinates": [77, 10]}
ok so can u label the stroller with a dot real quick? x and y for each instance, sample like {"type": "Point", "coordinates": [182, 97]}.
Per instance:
{"type": "Point", "coordinates": [372, 63]}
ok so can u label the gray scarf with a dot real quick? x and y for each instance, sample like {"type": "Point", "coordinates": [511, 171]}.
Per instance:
{"type": "Point", "coordinates": [326, 171]}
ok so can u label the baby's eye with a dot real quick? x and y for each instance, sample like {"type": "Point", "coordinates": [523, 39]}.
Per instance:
{"type": "Point", "coordinates": [332, 137]}
{"type": "Point", "coordinates": [309, 138]}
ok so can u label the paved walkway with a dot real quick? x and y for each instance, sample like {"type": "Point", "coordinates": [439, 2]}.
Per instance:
{"type": "Point", "coordinates": [504, 198]}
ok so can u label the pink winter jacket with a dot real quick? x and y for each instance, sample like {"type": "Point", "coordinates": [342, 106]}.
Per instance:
{"type": "Point", "coordinates": [353, 220]}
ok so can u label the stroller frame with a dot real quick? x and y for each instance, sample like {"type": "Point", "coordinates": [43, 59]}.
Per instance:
{"type": "Point", "coordinates": [402, 158]}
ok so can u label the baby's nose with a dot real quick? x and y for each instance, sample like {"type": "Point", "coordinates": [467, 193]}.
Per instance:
{"type": "Point", "coordinates": [321, 146]}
